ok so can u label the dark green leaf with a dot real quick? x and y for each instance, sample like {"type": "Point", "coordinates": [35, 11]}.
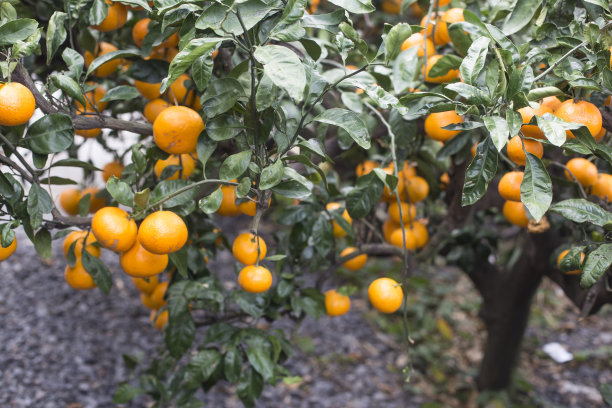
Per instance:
{"type": "Point", "coordinates": [120, 191]}
{"type": "Point", "coordinates": [271, 175]}
{"type": "Point", "coordinates": [474, 61]}
{"type": "Point", "coordinates": [167, 188]}
{"type": "Point", "coordinates": [364, 196]}
{"type": "Point", "coordinates": [180, 334]}
{"type": "Point", "coordinates": [42, 243]}
{"type": "Point", "coordinates": [16, 30]}
{"type": "Point", "coordinates": [522, 13]}
{"type": "Point", "coordinates": [250, 387]}
{"type": "Point", "coordinates": [52, 133]}
{"type": "Point", "coordinates": [596, 264]}
{"type": "Point", "coordinates": [284, 68]}
{"type": "Point", "coordinates": [479, 173]}
{"type": "Point", "coordinates": [212, 202]}
{"type": "Point", "coordinates": [98, 271]}
{"type": "Point", "coordinates": [126, 393]}
{"type": "Point", "coordinates": [235, 165]}
{"type": "Point", "coordinates": [536, 188]}
{"type": "Point", "coordinates": [580, 210]}
{"type": "Point", "coordinates": [56, 34]}
{"type": "Point", "coordinates": [120, 93]}
{"type": "Point", "coordinates": [350, 122]}
{"type": "Point", "coordinates": [221, 95]}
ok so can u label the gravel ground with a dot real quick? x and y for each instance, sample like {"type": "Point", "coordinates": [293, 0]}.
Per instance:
{"type": "Point", "coordinates": [61, 348]}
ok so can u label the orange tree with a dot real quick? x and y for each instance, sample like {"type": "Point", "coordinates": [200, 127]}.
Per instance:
{"type": "Point", "coordinates": [265, 108]}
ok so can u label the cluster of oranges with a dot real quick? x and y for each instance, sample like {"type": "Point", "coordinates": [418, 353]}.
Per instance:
{"type": "Point", "coordinates": [250, 250]}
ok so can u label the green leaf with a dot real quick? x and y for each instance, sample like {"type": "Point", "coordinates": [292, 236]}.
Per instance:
{"type": "Point", "coordinates": [74, 163]}
{"type": "Point", "coordinates": [52, 133]}
{"type": "Point", "coordinates": [74, 61]}
{"type": "Point", "coordinates": [572, 261]}
{"type": "Point", "coordinates": [56, 34]}
{"type": "Point", "coordinates": [395, 37]}
{"type": "Point", "coordinates": [536, 188]}
{"type": "Point", "coordinates": [479, 173]}
{"type": "Point", "coordinates": [16, 30]}
{"type": "Point", "coordinates": [103, 59]}
{"type": "Point", "coordinates": [126, 393]}
{"type": "Point", "coordinates": [541, 93]}
{"type": "Point", "coordinates": [120, 93]}
{"type": "Point", "coordinates": [180, 334]}
{"type": "Point", "coordinates": [201, 70]}
{"type": "Point", "coordinates": [69, 86]}
{"type": "Point", "coordinates": [120, 191]}
{"type": "Point", "coordinates": [58, 181]}
{"type": "Point", "coordinates": [166, 188]}
{"type": "Point", "coordinates": [195, 49]}
{"type": "Point", "coordinates": [271, 175]}
{"type": "Point", "coordinates": [249, 387]}
{"type": "Point", "coordinates": [323, 235]}
{"type": "Point", "coordinates": [554, 128]}
{"type": "Point", "coordinates": [474, 61]}
{"type": "Point", "coordinates": [498, 130]}
{"type": "Point", "coordinates": [405, 68]}
{"type": "Point", "coordinates": [205, 149]}
{"type": "Point", "coordinates": [98, 271]}
{"type": "Point", "coordinates": [219, 18]}
{"type": "Point", "coordinates": [350, 122]}
{"type": "Point", "coordinates": [98, 12]}
{"type": "Point", "coordinates": [212, 202]}
{"type": "Point", "coordinates": [235, 165]}
{"type": "Point", "coordinates": [223, 127]}
{"type": "Point", "coordinates": [355, 6]}
{"type": "Point", "coordinates": [258, 354]}
{"type": "Point", "coordinates": [364, 196]}
{"type": "Point", "coordinates": [580, 210]}
{"type": "Point", "coordinates": [39, 203]}
{"type": "Point", "coordinates": [522, 13]}
{"type": "Point", "coordinates": [232, 365]}
{"type": "Point", "coordinates": [445, 64]}
{"type": "Point", "coordinates": [201, 367]}
{"type": "Point", "coordinates": [284, 68]}
{"type": "Point", "coordinates": [606, 389]}
{"type": "Point", "coordinates": [42, 243]}
{"type": "Point", "coordinates": [596, 264]}
{"type": "Point", "coordinates": [221, 95]}
{"type": "Point", "coordinates": [472, 94]}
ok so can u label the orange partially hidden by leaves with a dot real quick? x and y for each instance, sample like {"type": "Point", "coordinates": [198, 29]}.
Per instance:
{"type": "Point", "coordinates": [365, 167]}
{"type": "Point", "coordinates": [95, 203]}
{"type": "Point", "coordinates": [163, 232]}
{"type": "Point", "coordinates": [313, 6]}
{"type": "Point", "coordinates": [355, 263]}
{"type": "Point", "coordinates": [255, 279]}
{"type": "Point", "coordinates": [551, 102]}
{"type": "Point", "coordinates": [9, 250]}
{"type": "Point", "coordinates": [159, 320]}
{"type": "Point", "coordinates": [584, 171]}
{"type": "Point", "coordinates": [157, 297]}
{"type": "Point", "coordinates": [228, 206]}
{"type": "Point", "coordinates": [186, 163]}
{"type": "Point", "coordinates": [140, 263]}
{"type": "Point", "coordinates": [435, 27]}
{"type": "Point", "coordinates": [249, 249]}
{"type": "Point", "coordinates": [397, 239]}
{"type": "Point", "coordinates": [451, 16]}
{"type": "Point", "coordinates": [149, 90]}
{"type": "Point", "coordinates": [417, 189]}
{"type": "Point", "coordinates": [114, 229]}
{"type": "Point", "coordinates": [386, 295]}
{"type": "Point", "coordinates": [514, 212]}
{"type": "Point", "coordinates": [339, 232]}
{"type": "Point", "coordinates": [336, 304]}
{"type": "Point", "coordinates": [17, 104]}
{"type": "Point", "coordinates": [516, 153]}
{"type": "Point", "coordinates": [582, 112]}
{"type": "Point", "coordinates": [527, 113]}
{"type": "Point", "coordinates": [176, 130]}
{"type": "Point", "coordinates": [179, 93]}
{"type": "Point", "coordinates": [392, 6]}
{"type": "Point", "coordinates": [78, 278]}
{"type": "Point", "coordinates": [92, 100]}
{"type": "Point", "coordinates": [153, 108]}
{"type": "Point", "coordinates": [437, 120]}
{"type": "Point", "coordinates": [114, 168]}
{"type": "Point", "coordinates": [408, 212]}
{"type": "Point", "coordinates": [115, 18]}
{"type": "Point", "coordinates": [79, 238]}
{"type": "Point", "coordinates": [88, 133]}
{"type": "Point", "coordinates": [449, 76]}
{"type": "Point", "coordinates": [147, 302]}
{"type": "Point", "coordinates": [107, 68]}
{"type": "Point", "coordinates": [602, 187]}
{"type": "Point", "coordinates": [417, 40]}
{"type": "Point", "coordinates": [389, 195]}
{"type": "Point", "coordinates": [140, 31]}
{"type": "Point", "coordinates": [562, 255]}
{"type": "Point", "coordinates": [509, 186]}
{"type": "Point", "coordinates": [248, 208]}
{"type": "Point", "coordinates": [419, 232]}
{"type": "Point", "coordinates": [69, 201]}
{"type": "Point", "coordinates": [388, 227]}
{"type": "Point", "coordinates": [146, 285]}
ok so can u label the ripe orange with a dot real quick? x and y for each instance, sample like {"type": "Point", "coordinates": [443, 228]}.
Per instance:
{"type": "Point", "coordinates": [161, 321]}
{"type": "Point", "coordinates": [248, 208]}
{"type": "Point", "coordinates": [584, 171]}
{"type": "Point", "coordinates": [115, 19]}
{"type": "Point", "coordinates": [582, 112]}
{"type": "Point", "coordinates": [153, 108]}
{"type": "Point", "coordinates": [392, 6]}
{"type": "Point", "coordinates": [92, 99]}
{"type": "Point", "coordinates": [255, 279]}
{"type": "Point", "coordinates": [228, 206]}
{"type": "Point", "coordinates": [408, 171]}
{"type": "Point", "coordinates": [388, 227]}
{"type": "Point", "coordinates": [473, 149]}
{"type": "Point", "coordinates": [419, 232]}
{"type": "Point", "coordinates": [79, 237]}
{"type": "Point", "coordinates": [527, 113]}
{"type": "Point", "coordinates": [147, 302]}
{"type": "Point", "coordinates": [437, 120]}
{"type": "Point", "coordinates": [88, 133]}
{"type": "Point", "coordinates": [339, 232]}
{"type": "Point", "coordinates": [444, 180]}
{"type": "Point", "coordinates": [140, 31]}
{"type": "Point", "coordinates": [451, 16]}
{"type": "Point", "coordinates": [179, 93]}
{"type": "Point", "coordinates": [386, 295]}
{"type": "Point", "coordinates": [17, 104]}
{"type": "Point", "coordinates": [602, 187]}
{"type": "Point", "coordinates": [114, 229]}
{"type": "Point", "coordinates": [186, 162]}
{"type": "Point", "coordinates": [163, 54]}
{"type": "Point", "coordinates": [246, 249]}
{"type": "Point", "coordinates": [95, 203]}
{"type": "Point", "coordinates": [114, 168]}
{"type": "Point", "coordinates": [140, 263]}
{"type": "Point", "coordinates": [69, 201]}
{"type": "Point", "coordinates": [336, 304]}
{"type": "Point", "coordinates": [551, 102]}
{"type": "Point", "coordinates": [562, 255]}
{"type": "Point", "coordinates": [388, 195]}
{"type": "Point", "coordinates": [515, 213]}
{"type": "Point", "coordinates": [509, 186]}
{"type": "Point", "coordinates": [162, 232]}
{"type": "Point", "coordinates": [365, 167]}
{"type": "Point", "coordinates": [416, 40]}
{"type": "Point", "coordinates": [312, 8]}
{"type": "Point", "coordinates": [8, 251]}
{"type": "Point", "coordinates": [146, 285]}
{"type": "Point", "coordinates": [516, 153]}
{"type": "Point", "coordinates": [78, 278]}
{"type": "Point", "coordinates": [105, 69]}
{"type": "Point", "coordinates": [157, 297]}
{"type": "Point", "coordinates": [435, 27]}
{"type": "Point", "coordinates": [176, 130]}
{"type": "Point", "coordinates": [408, 212]}
{"type": "Point", "coordinates": [149, 90]}
{"type": "Point", "coordinates": [397, 240]}
{"type": "Point", "coordinates": [355, 263]}
{"type": "Point", "coordinates": [449, 76]}
{"type": "Point", "coordinates": [417, 189]}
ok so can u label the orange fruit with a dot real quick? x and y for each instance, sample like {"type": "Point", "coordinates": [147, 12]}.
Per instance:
{"type": "Point", "coordinates": [388, 227]}
{"type": "Point", "coordinates": [551, 102]}
{"type": "Point", "coordinates": [153, 108]}
{"type": "Point", "coordinates": [408, 212]}
{"type": "Point", "coordinates": [312, 8]}
{"type": "Point", "coordinates": [451, 16]}
{"type": "Point", "coordinates": [336, 304]}
{"type": "Point", "coordinates": [114, 168]}
{"type": "Point", "coordinates": [249, 250]}
{"type": "Point", "coordinates": [392, 6]}
{"type": "Point", "coordinates": [176, 129]}
{"type": "Point", "coordinates": [516, 153]}
{"type": "Point", "coordinates": [355, 263]}
{"type": "Point", "coordinates": [79, 237]}
{"type": "Point", "coordinates": [140, 263]}
{"type": "Point", "coordinates": [339, 232]}
{"type": "Point", "coordinates": [146, 285]}
{"type": "Point", "coordinates": [149, 90]}
{"type": "Point", "coordinates": [78, 278]}
{"type": "Point", "coordinates": [515, 213]}
{"type": "Point", "coordinates": [582, 112]}
{"type": "Point", "coordinates": [105, 69]}
{"type": "Point", "coordinates": [416, 40]}
{"type": "Point", "coordinates": [444, 180]}
{"type": "Point", "coordinates": [248, 208]}
{"type": "Point", "coordinates": [9, 250]}
{"type": "Point", "coordinates": [408, 171]}
{"type": "Point", "coordinates": [509, 186]}
{"type": "Point", "coordinates": [115, 19]}
{"type": "Point", "coordinates": [365, 167]}
{"type": "Point", "coordinates": [69, 201]}
{"type": "Point", "coordinates": [161, 320]}
{"type": "Point", "coordinates": [419, 232]}
{"type": "Point", "coordinates": [95, 203]}
{"type": "Point", "coordinates": [92, 99]}
{"type": "Point", "coordinates": [17, 104]}
{"type": "Point", "coordinates": [114, 229]}
{"type": "Point", "coordinates": [473, 149]}
{"type": "Point", "coordinates": [527, 113]}
{"type": "Point", "coordinates": [388, 195]}
{"type": "Point", "coordinates": [147, 302]}
{"type": "Point", "coordinates": [179, 93]}
{"type": "Point", "coordinates": [228, 206]}
{"type": "Point", "coordinates": [88, 133]}
{"type": "Point", "coordinates": [562, 255]}
{"type": "Point", "coordinates": [602, 187]}
{"type": "Point", "coordinates": [584, 171]}
{"type": "Point", "coordinates": [437, 120]}
{"type": "Point", "coordinates": [435, 27]}
{"type": "Point", "coordinates": [386, 295]}
{"type": "Point", "coordinates": [157, 297]}
{"type": "Point", "coordinates": [163, 54]}
{"type": "Point", "coordinates": [417, 189]}
{"type": "Point", "coordinates": [396, 239]}
{"type": "Point", "coordinates": [140, 31]}
{"type": "Point", "coordinates": [162, 232]}
{"type": "Point", "coordinates": [449, 76]}
{"type": "Point", "coordinates": [186, 162]}
{"type": "Point", "coordinates": [255, 279]}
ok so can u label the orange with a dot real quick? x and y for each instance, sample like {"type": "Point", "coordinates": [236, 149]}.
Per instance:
{"type": "Point", "coordinates": [417, 189]}
{"type": "Point", "coordinates": [444, 180]}
{"type": "Point", "coordinates": [92, 99]}
{"type": "Point", "coordinates": [365, 167]}
{"type": "Point", "coordinates": [602, 187]}
{"type": "Point", "coordinates": [140, 263]}
{"type": "Point", "coordinates": [408, 212]}
{"type": "Point", "coordinates": [527, 113]}
{"type": "Point", "coordinates": [78, 278]}
{"type": "Point", "coordinates": [584, 171]}
{"type": "Point", "coordinates": [88, 133]}
{"type": "Point", "coordinates": [162, 232]}
{"type": "Point", "coordinates": [140, 31]}
{"type": "Point", "coordinates": [186, 163]}
{"type": "Point", "coordinates": [516, 153]}
{"type": "Point", "coordinates": [255, 279]}
{"type": "Point", "coordinates": [161, 320]}
{"type": "Point", "coordinates": [248, 250]}
{"type": "Point", "coordinates": [228, 206]}
{"type": "Point", "coordinates": [114, 168]}
{"type": "Point", "coordinates": [164, 54]}
{"type": "Point", "coordinates": [582, 112]}
{"type": "Point", "coordinates": [388, 227]}
{"type": "Point", "coordinates": [179, 93]}
{"type": "Point", "coordinates": [116, 17]}
{"type": "Point", "coordinates": [339, 232]}
{"type": "Point", "coordinates": [562, 255]}
{"type": "Point", "coordinates": [396, 239]}
{"type": "Point", "coordinates": [449, 76]}
{"type": "Point", "coordinates": [437, 27]}
{"type": "Point", "coordinates": [408, 171]}
{"type": "Point", "coordinates": [147, 302]}
{"type": "Point", "coordinates": [416, 40]}
{"type": "Point", "coordinates": [515, 213]}
{"type": "Point", "coordinates": [69, 201]}
{"type": "Point", "coordinates": [9, 250]}
{"type": "Point", "coordinates": [388, 195]}
{"type": "Point", "coordinates": [551, 102]}
{"type": "Point", "coordinates": [114, 229]}
{"type": "Point", "coordinates": [473, 149]}
{"type": "Point", "coordinates": [176, 130]}
{"type": "Point", "coordinates": [105, 69]}
{"type": "Point", "coordinates": [386, 295]}
{"type": "Point", "coordinates": [248, 207]}
{"type": "Point", "coordinates": [419, 232]}
{"type": "Point", "coordinates": [392, 6]}
{"type": "Point", "coordinates": [17, 104]}
{"type": "Point", "coordinates": [153, 108]}
{"type": "Point", "coordinates": [146, 285]}
{"type": "Point", "coordinates": [79, 237]}
{"type": "Point", "coordinates": [509, 186]}
{"type": "Point", "coordinates": [157, 297]}
{"type": "Point", "coordinates": [416, 11]}
{"type": "Point", "coordinates": [336, 304]}
{"type": "Point", "coordinates": [149, 90]}
{"type": "Point", "coordinates": [95, 203]}
{"type": "Point", "coordinates": [451, 16]}
{"type": "Point", "coordinates": [312, 8]}
{"type": "Point", "coordinates": [355, 263]}
{"type": "Point", "coordinates": [437, 120]}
